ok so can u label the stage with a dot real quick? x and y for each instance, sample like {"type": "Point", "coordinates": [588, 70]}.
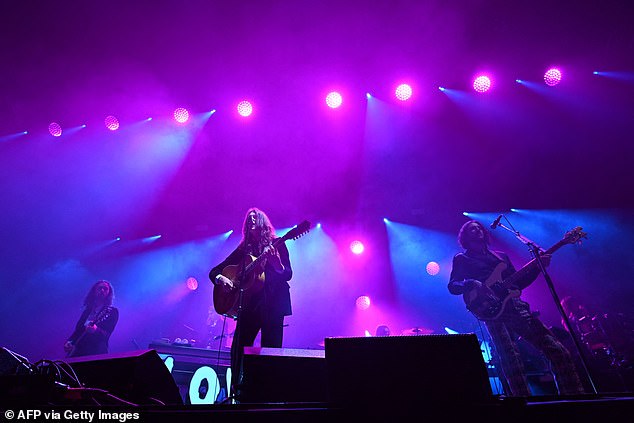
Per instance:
{"type": "Point", "coordinates": [372, 378]}
{"type": "Point", "coordinates": [590, 408]}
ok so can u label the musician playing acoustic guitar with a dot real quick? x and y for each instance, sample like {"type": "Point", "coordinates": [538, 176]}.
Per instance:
{"type": "Point", "coordinates": [470, 271]}
{"type": "Point", "coordinates": [259, 299]}
{"type": "Point", "coordinates": [96, 323]}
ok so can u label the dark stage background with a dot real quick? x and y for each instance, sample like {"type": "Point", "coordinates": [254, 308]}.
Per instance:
{"type": "Point", "coordinates": [560, 155]}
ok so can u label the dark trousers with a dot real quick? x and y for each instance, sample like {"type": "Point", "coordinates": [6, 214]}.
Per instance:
{"type": "Point", "coordinates": [250, 322]}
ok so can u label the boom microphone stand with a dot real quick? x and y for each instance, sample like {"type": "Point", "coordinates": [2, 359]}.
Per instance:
{"type": "Point", "coordinates": [536, 251]}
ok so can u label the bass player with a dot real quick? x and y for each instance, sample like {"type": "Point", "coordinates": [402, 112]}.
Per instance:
{"type": "Point", "coordinates": [470, 269]}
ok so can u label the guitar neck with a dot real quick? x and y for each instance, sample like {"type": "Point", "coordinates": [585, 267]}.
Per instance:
{"type": "Point", "coordinates": [259, 258]}
{"type": "Point", "coordinates": [530, 266]}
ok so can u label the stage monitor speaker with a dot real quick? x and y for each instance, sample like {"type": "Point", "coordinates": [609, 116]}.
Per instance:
{"type": "Point", "coordinates": [406, 370]}
{"type": "Point", "coordinates": [274, 375]}
{"type": "Point", "coordinates": [139, 377]}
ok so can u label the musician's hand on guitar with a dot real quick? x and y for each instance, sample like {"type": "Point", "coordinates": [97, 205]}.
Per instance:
{"type": "Point", "coordinates": [470, 284]}
{"type": "Point", "coordinates": [273, 257]}
{"type": "Point", "coordinates": [68, 347]}
{"type": "Point", "coordinates": [92, 328]}
{"type": "Point", "coordinates": [224, 282]}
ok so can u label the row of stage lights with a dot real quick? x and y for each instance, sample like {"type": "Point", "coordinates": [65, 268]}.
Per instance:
{"type": "Point", "coordinates": [403, 92]}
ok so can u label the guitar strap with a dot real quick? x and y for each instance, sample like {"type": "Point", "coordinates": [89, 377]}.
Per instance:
{"type": "Point", "coordinates": [497, 255]}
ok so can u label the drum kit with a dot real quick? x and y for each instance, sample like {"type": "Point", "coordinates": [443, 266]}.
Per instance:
{"type": "Point", "coordinates": [415, 331]}
{"type": "Point", "coordinates": [607, 337]}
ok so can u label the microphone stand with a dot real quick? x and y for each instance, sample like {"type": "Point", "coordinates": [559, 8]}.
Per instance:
{"type": "Point", "coordinates": [237, 351]}
{"type": "Point", "coordinates": [536, 251]}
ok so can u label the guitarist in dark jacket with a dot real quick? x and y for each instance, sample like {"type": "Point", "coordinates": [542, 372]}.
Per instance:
{"type": "Point", "coordinates": [96, 323]}
{"type": "Point", "coordinates": [262, 296]}
{"type": "Point", "coordinates": [471, 269]}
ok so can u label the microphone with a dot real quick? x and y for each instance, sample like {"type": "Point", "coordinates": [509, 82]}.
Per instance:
{"type": "Point", "coordinates": [496, 222]}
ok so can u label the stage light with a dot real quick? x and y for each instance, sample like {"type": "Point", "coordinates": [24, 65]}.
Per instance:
{"type": "Point", "coordinates": [482, 84]}
{"type": "Point", "coordinates": [334, 100]}
{"type": "Point", "coordinates": [181, 115]}
{"type": "Point", "coordinates": [55, 129]}
{"type": "Point", "coordinates": [403, 92]}
{"type": "Point", "coordinates": [245, 108]}
{"type": "Point", "coordinates": [192, 283]}
{"type": "Point", "coordinates": [432, 268]}
{"type": "Point", "coordinates": [357, 247]}
{"type": "Point", "coordinates": [519, 81]}
{"type": "Point", "coordinates": [111, 123]}
{"type": "Point", "coordinates": [368, 95]}
{"type": "Point", "coordinates": [441, 88]}
{"type": "Point", "coordinates": [363, 302]}
{"type": "Point", "coordinates": [552, 77]}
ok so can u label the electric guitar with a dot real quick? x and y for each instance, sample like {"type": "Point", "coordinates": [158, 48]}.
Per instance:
{"type": "Point", "coordinates": [244, 277]}
{"type": "Point", "coordinates": [103, 314]}
{"type": "Point", "coordinates": [488, 301]}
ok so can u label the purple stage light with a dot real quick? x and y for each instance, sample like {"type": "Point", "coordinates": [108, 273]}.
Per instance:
{"type": "Point", "coordinates": [192, 283]}
{"type": "Point", "coordinates": [357, 247]}
{"type": "Point", "coordinates": [432, 268]}
{"type": "Point", "coordinates": [363, 302]}
{"type": "Point", "coordinates": [111, 123]}
{"type": "Point", "coordinates": [334, 100]}
{"type": "Point", "coordinates": [482, 84]}
{"type": "Point", "coordinates": [55, 129]}
{"type": "Point", "coordinates": [552, 77]}
{"type": "Point", "coordinates": [181, 115]}
{"type": "Point", "coordinates": [245, 108]}
{"type": "Point", "coordinates": [403, 92]}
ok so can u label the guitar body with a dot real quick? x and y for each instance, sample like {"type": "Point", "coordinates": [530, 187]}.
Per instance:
{"type": "Point", "coordinates": [226, 299]}
{"type": "Point", "coordinates": [488, 301]}
{"type": "Point", "coordinates": [103, 315]}
{"type": "Point", "coordinates": [248, 276]}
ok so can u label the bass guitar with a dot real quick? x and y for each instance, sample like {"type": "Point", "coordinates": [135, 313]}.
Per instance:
{"type": "Point", "coordinates": [487, 302]}
{"type": "Point", "coordinates": [245, 278]}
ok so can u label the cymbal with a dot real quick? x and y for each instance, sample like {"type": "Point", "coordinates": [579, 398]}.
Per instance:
{"type": "Point", "coordinates": [416, 331]}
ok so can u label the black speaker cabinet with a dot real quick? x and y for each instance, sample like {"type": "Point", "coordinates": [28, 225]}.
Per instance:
{"type": "Point", "coordinates": [406, 370]}
{"type": "Point", "coordinates": [139, 377]}
{"type": "Point", "coordinates": [273, 375]}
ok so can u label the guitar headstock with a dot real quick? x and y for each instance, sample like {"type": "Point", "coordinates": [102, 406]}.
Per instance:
{"type": "Point", "coordinates": [575, 235]}
{"type": "Point", "coordinates": [298, 231]}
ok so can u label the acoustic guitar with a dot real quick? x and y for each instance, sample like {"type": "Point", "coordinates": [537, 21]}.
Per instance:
{"type": "Point", "coordinates": [248, 276]}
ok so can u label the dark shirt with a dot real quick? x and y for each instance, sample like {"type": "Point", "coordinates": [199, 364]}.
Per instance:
{"type": "Point", "coordinates": [84, 343]}
{"type": "Point", "coordinates": [471, 265]}
{"type": "Point", "coordinates": [275, 298]}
